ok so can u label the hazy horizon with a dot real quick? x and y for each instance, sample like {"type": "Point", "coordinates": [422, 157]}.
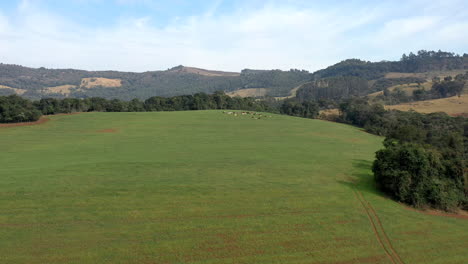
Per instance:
{"type": "Point", "coordinates": [144, 35]}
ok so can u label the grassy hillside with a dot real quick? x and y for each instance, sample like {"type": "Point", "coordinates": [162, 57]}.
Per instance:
{"type": "Point", "coordinates": [407, 88]}
{"type": "Point", "coordinates": [454, 106]}
{"type": "Point", "coordinates": [253, 92]}
{"type": "Point", "coordinates": [205, 187]}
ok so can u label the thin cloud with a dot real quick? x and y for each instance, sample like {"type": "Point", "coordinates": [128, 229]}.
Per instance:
{"type": "Point", "coordinates": [275, 35]}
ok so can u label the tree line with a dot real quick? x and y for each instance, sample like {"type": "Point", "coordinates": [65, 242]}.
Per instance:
{"type": "Point", "coordinates": [15, 109]}
{"type": "Point", "coordinates": [424, 162]}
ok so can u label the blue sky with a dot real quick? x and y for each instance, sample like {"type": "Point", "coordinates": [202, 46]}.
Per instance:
{"type": "Point", "coordinates": [143, 35]}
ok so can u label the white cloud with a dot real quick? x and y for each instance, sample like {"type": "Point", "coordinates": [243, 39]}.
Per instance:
{"type": "Point", "coordinates": [274, 36]}
{"type": "Point", "coordinates": [3, 23]}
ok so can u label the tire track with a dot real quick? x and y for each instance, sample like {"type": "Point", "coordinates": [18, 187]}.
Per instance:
{"type": "Point", "coordinates": [378, 229]}
{"type": "Point", "coordinates": [383, 230]}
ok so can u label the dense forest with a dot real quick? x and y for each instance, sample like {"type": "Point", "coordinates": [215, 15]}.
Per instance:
{"type": "Point", "coordinates": [334, 88]}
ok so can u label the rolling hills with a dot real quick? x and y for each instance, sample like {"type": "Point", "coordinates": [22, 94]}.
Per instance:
{"type": "Point", "coordinates": [205, 187]}
{"type": "Point", "coordinates": [180, 80]}
{"type": "Point", "coordinates": [351, 77]}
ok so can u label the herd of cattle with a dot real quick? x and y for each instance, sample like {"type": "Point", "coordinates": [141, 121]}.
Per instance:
{"type": "Point", "coordinates": [253, 115]}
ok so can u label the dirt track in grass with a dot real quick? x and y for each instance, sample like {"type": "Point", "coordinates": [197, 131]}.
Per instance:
{"type": "Point", "coordinates": [379, 230]}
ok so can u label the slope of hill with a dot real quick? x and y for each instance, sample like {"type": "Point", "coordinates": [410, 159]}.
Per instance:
{"type": "Point", "coordinates": [342, 77]}
{"type": "Point", "coordinates": [180, 80]}
{"type": "Point", "coordinates": [334, 88]}
{"type": "Point", "coordinates": [183, 69]}
{"type": "Point", "coordinates": [455, 106]}
{"type": "Point", "coordinates": [206, 187]}
{"type": "Point", "coordinates": [252, 92]}
{"type": "Point", "coordinates": [423, 61]}
{"type": "Point", "coordinates": [407, 88]}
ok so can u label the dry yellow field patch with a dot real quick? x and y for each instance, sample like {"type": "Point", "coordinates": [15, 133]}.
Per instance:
{"type": "Point", "coordinates": [408, 88]}
{"type": "Point", "coordinates": [16, 90]}
{"type": "Point", "coordinates": [253, 92]}
{"type": "Point", "coordinates": [61, 89]}
{"type": "Point", "coordinates": [452, 106]}
{"type": "Point", "coordinates": [89, 83]}
{"type": "Point", "coordinates": [425, 75]}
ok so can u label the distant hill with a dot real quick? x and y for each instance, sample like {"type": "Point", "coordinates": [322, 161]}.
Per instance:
{"type": "Point", "coordinates": [183, 69]}
{"type": "Point", "coordinates": [355, 77]}
{"type": "Point", "coordinates": [348, 78]}
{"type": "Point", "coordinates": [455, 106]}
{"type": "Point", "coordinates": [423, 61]}
{"type": "Point", "coordinates": [180, 80]}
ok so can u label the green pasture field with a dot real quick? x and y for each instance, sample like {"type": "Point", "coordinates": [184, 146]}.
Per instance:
{"type": "Point", "coordinates": [205, 187]}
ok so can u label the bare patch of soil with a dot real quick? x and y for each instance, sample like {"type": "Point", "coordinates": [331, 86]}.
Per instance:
{"type": "Point", "coordinates": [460, 214]}
{"type": "Point", "coordinates": [108, 130]}
{"type": "Point", "coordinates": [67, 114]}
{"type": "Point", "coordinates": [38, 122]}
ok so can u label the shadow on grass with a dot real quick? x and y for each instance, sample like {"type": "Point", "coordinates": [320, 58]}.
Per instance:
{"type": "Point", "coordinates": [362, 177]}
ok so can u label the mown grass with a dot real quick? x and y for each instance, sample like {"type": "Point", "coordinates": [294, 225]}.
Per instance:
{"type": "Point", "coordinates": [202, 187]}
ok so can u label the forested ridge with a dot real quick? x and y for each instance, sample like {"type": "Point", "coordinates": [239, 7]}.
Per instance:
{"type": "Point", "coordinates": [172, 82]}
{"type": "Point", "coordinates": [422, 61]}
{"type": "Point", "coordinates": [354, 78]}
{"type": "Point", "coordinates": [44, 83]}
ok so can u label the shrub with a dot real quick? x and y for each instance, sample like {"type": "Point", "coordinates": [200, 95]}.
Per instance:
{"type": "Point", "coordinates": [419, 176]}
